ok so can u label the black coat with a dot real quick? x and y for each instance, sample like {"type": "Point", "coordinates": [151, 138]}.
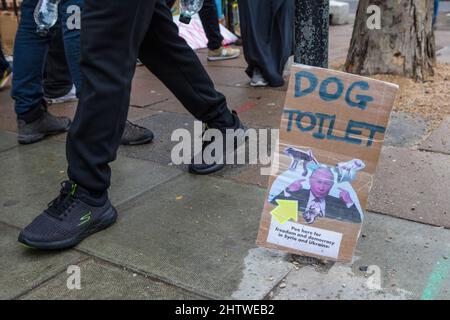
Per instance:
{"type": "Point", "coordinates": [335, 208]}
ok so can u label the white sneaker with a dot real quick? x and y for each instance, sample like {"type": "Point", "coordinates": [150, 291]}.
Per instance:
{"type": "Point", "coordinates": [258, 79]}
{"type": "Point", "coordinates": [70, 97]}
{"type": "Point", "coordinates": [223, 53]}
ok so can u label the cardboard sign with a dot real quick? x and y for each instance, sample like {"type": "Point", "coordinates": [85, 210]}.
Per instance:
{"type": "Point", "coordinates": [331, 133]}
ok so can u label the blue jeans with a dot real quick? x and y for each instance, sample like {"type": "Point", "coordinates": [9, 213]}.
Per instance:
{"type": "Point", "coordinates": [30, 53]}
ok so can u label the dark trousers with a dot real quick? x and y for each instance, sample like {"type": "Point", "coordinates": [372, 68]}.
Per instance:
{"type": "Point", "coordinates": [57, 79]}
{"type": "Point", "coordinates": [114, 34]}
{"type": "Point", "coordinates": [210, 21]}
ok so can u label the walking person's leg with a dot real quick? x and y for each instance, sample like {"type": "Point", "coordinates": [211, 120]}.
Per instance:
{"type": "Point", "coordinates": [210, 21]}
{"type": "Point", "coordinates": [108, 68]}
{"type": "Point", "coordinates": [112, 33]}
{"type": "Point", "coordinates": [169, 57]}
{"type": "Point", "coordinates": [30, 50]}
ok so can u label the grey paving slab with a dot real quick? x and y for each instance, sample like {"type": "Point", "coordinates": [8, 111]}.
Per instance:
{"type": "Point", "coordinates": [404, 260]}
{"type": "Point", "coordinates": [7, 114]}
{"type": "Point", "coordinates": [106, 282]}
{"type": "Point", "coordinates": [405, 130]}
{"type": "Point", "coordinates": [442, 38]}
{"type": "Point", "coordinates": [228, 76]}
{"type": "Point", "coordinates": [413, 185]}
{"type": "Point", "coordinates": [8, 140]}
{"type": "Point", "coordinates": [35, 172]}
{"type": "Point", "coordinates": [261, 106]}
{"type": "Point", "coordinates": [23, 269]}
{"type": "Point", "coordinates": [148, 90]}
{"type": "Point", "coordinates": [252, 175]}
{"type": "Point", "coordinates": [194, 232]}
{"type": "Point", "coordinates": [439, 140]}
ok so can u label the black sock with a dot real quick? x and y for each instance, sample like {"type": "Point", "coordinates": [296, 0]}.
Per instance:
{"type": "Point", "coordinates": [31, 115]}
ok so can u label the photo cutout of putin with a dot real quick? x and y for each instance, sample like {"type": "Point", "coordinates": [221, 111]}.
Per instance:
{"type": "Point", "coordinates": [316, 202]}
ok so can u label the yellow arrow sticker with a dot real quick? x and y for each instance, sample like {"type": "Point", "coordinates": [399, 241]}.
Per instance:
{"type": "Point", "coordinates": [286, 210]}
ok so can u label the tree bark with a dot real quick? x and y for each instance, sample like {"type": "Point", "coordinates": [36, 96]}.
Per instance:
{"type": "Point", "coordinates": [404, 45]}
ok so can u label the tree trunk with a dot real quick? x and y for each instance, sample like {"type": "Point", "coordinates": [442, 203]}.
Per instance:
{"type": "Point", "coordinates": [403, 46]}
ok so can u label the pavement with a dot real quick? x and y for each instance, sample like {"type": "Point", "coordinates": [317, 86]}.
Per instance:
{"type": "Point", "coordinates": [180, 236]}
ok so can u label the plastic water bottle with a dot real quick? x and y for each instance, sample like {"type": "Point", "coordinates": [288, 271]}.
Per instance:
{"type": "Point", "coordinates": [188, 9]}
{"type": "Point", "coordinates": [45, 16]}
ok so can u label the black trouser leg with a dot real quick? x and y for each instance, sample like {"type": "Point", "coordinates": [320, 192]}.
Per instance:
{"type": "Point", "coordinates": [57, 79]}
{"type": "Point", "coordinates": [210, 21]}
{"type": "Point", "coordinates": [168, 56]}
{"type": "Point", "coordinates": [111, 33]}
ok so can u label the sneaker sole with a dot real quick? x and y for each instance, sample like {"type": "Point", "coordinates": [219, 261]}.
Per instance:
{"type": "Point", "coordinates": [223, 58]}
{"type": "Point", "coordinates": [33, 138]}
{"type": "Point", "coordinates": [108, 218]}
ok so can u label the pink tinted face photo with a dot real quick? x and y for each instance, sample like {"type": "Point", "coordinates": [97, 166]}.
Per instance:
{"type": "Point", "coordinates": [321, 182]}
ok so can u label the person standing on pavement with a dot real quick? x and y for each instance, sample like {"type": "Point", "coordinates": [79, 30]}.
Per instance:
{"type": "Point", "coordinates": [34, 122]}
{"type": "Point", "coordinates": [210, 21]}
{"type": "Point", "coordinates": [267, 29]}
{"type": "Point", "coordinates": [114, 34]}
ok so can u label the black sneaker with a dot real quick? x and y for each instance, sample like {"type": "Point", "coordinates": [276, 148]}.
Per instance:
{"type": "Point", "coordinates": [135, 135]}
{"type": "Point", "coordinates": [204, 168]}
{"type": "Point", "coordinates": [46, 124]}
{"type": "Point", "coordinates": [71, 217]}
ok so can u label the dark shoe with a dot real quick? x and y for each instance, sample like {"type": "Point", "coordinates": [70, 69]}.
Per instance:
{"type": "Point", "coordinates": [134, 135]}
{"type": "Point", "coordinates": [204, 168]}
{"type": "Point", "coordinates": [46, 124]}
{"type": "Point", "coordinates": [71, 217]}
